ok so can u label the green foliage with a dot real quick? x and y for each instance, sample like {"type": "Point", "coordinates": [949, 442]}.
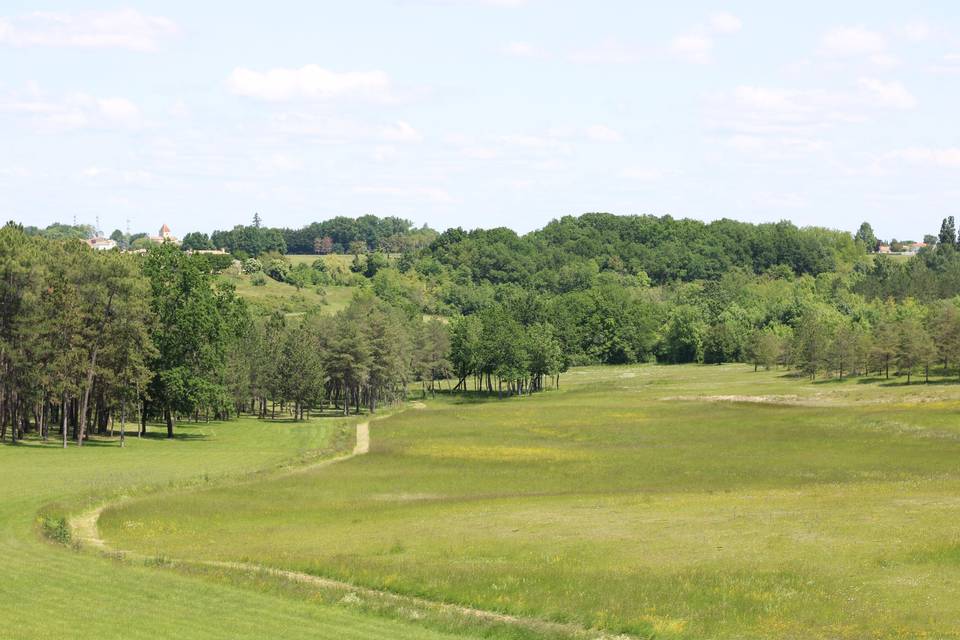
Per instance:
{"type": "Point", "coordinates": [684, 335]}
{"type": "Point", "coordinates": [357, 235]}
{"type": "Point", "coordinates": [866, 237]}
{"type": "Point", "coordinates": [948, 232]}
{"type": "Point", "coordinates": [195, 324]}
{"type": "Point", "coordinates": [57, 231]}
{"type": "Point", "coordinates": [252, 265]}
{"type": "Point", "coordinates": [250, 241]}
{"type": "Point", "coordinates": [196, 241]}
{"type": "Point", "coordinates": [278, 269]}
{"type": "Point", "coordinates": [57, 529]}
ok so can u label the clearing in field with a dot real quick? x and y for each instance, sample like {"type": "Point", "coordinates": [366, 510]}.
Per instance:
{"type": "Point", "coordinates": [682, 502]}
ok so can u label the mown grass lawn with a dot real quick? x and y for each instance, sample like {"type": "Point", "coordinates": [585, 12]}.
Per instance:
{"type": "Point", "coordinates": [670, 501]}
{"type": "Point", "coordinates": [48, 590]}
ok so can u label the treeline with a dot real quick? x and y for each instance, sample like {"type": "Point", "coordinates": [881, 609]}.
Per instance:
{"type": "Point", "coordinates": [662, 249]}
{"type": "Point", "coordinates": [89, 339]}
{"type": "Point", "coordinates": [364, 356]}
{"type": "Point", "coordinates": [339, 235]}
{"type": "Point", "coordinates": [358, 235]}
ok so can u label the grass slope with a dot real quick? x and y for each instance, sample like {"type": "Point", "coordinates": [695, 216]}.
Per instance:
{"type": "Point", "coordinates": [50, 591]}
{"type": "Point", "coordinates": [662, 501]}
{"type": "Point", "coordinates": [273, 295]}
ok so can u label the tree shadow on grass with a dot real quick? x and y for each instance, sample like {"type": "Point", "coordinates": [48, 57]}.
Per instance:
{"type": "Point", "coordinates": [162, 435]}
{"type": "Point", "coordinates": [482, 397]}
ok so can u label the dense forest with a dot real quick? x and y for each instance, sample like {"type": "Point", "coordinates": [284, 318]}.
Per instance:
{"type": "Point", "coordinates": [91, 338]}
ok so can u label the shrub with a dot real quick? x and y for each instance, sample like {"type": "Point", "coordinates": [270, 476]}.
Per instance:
{"type": "Point", "coordinates": [278, 269]}
{"type": "Point", "coordinates": [252, 265]}
{"type": "Point", "coordinates": [57, 529]}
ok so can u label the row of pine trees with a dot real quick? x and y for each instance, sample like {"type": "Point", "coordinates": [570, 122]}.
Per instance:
{"type": "Point", "coordinates": [103, 342]}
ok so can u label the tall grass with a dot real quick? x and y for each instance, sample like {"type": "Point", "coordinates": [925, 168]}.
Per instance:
{"type": "Point", "coordinates": [660, 501]}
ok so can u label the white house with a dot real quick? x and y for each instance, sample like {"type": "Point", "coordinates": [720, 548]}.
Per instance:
{"type": "Point", "coordinates": [102, 244]}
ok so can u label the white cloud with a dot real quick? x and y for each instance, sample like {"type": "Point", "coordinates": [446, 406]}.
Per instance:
{"type": "Point", "coordinates": [642, 174]}
{"type": "Point", "coordinates": [336, 130]}
{"type": "Point", "coordinates": [946, 157]}
{"type": "Point", "coordinates": [510, 4]}
{"type": "Point", "coordinates": [179, 109]}
{"type": "Point", "coordinates": [601, 133]}
{"type": "Point", "coordinates": [917, 31]}
{"type": "Point", "coordinates": [852, 41]}
{"type": "Point", "coordinates": [692, 47]}
{"type": "Point", "coordinates": [782, 200]}
{"type": "Point", "coordinates": [890, 94]}
{"type": "Point", "coordinates": [696, 45]}
{"type": "Point", "coordinates": [105, 176]}
{"type": "Point", "coordinates": [121, 29]}
{"type": "Point", "coordinates": [480, 153]}
{"type": "Point", "coordinates": [787, 122]}
{"type": "Point", "coordinates": [310, 82]}
{"type": "Point", "coordinates": [949, 64]}
{"type": "Point", "coordinates": [540, 144]}
{"type": "Point", "coordinates": [775, 145]}
{"type": "Point", "coordinates": [610, 51]}
{"type": "Point", "coordinates": [384, 152]}
{"type": "Point", "coordinates": [16, 172]}
{"type": "Point", "coordinates": [401, 132]}
{"type": "Point", "coordinates": [75, 111]}
{"type": "Point", "coordinates": [522, 50]}
{"type": "Point", "coordinates": [432, 194]}
{"type": "Point", "coordinates": [282, 162]}
{"type": "Point", "coordinates": [721, 22]}
{"type": "Point", "coordinates": [119, 110]}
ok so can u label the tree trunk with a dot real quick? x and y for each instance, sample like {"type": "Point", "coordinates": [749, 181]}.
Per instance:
{"type": "Point", "coordinates": [14, 419]}
{"type": "Point", "coordinates": [63, 427]}
{"type": "Point", "coordinates": [123, 423]}
{"type": "Point", "coordinates": [168, 416]}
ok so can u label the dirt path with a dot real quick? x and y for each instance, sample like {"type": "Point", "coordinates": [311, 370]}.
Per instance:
{"type": "Point", "coordinates": [84, 529]}
{"type": "Point", "coordinates": [405, 603]}
{"type": "Point", "coordinates": [363, 439]}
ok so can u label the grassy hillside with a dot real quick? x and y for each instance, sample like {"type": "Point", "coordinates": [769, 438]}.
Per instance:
{"type": "Point", "coordinates": [273, 295]}
{"type": "Point", "coordinates": [683, 502]}
{"type": "Point", "coordinates": [50, 591]}
{"type": "Point", "coordinates": [333, 260]}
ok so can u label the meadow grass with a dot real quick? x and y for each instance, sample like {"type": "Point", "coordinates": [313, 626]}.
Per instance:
{"type": "Point", "coordinates": [341, 260]}
{"type": "Point", "coordinates": [273, 295]}
{"type": "Point", "coordinates": [688, 502]}
{"type": "Point", "coordinates": [50, 590]}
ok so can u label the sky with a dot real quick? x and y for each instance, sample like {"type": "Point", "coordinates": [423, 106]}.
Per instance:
{"type": "Point", "coordinates": [479, 113]}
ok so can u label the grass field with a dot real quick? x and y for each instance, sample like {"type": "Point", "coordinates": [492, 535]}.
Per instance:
{"type": "Point", "coordinates": [659, 501]}
{"type": "Point", "coordinates": [48, 590]}
{"type": "Point", "coordinates": [273, 295]}
{"type": "Point", "coordinates": [334, 260]}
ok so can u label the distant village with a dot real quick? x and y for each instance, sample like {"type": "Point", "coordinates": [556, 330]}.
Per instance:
{"type": "Point", "coordinates": [895, 248]}
{"type": "Point", "coordinates": [100, 243]}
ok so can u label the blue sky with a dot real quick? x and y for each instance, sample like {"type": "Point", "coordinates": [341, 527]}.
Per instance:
{"type": "Point", "coordinates": [479, 113]}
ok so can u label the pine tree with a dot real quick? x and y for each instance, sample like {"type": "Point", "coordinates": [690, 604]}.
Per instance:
{"type": "Point", "coordinates": [948, 232]}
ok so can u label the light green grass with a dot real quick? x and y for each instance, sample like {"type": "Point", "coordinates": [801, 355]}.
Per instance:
{"type": "Point", "coordinates": [51, 591]}
{"type": "Point", "coordinates": [632, 500]}
{"type": "Point", "coordinates": [274, 295]}
{"type": "Point", "coordinates": [333, 260]}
